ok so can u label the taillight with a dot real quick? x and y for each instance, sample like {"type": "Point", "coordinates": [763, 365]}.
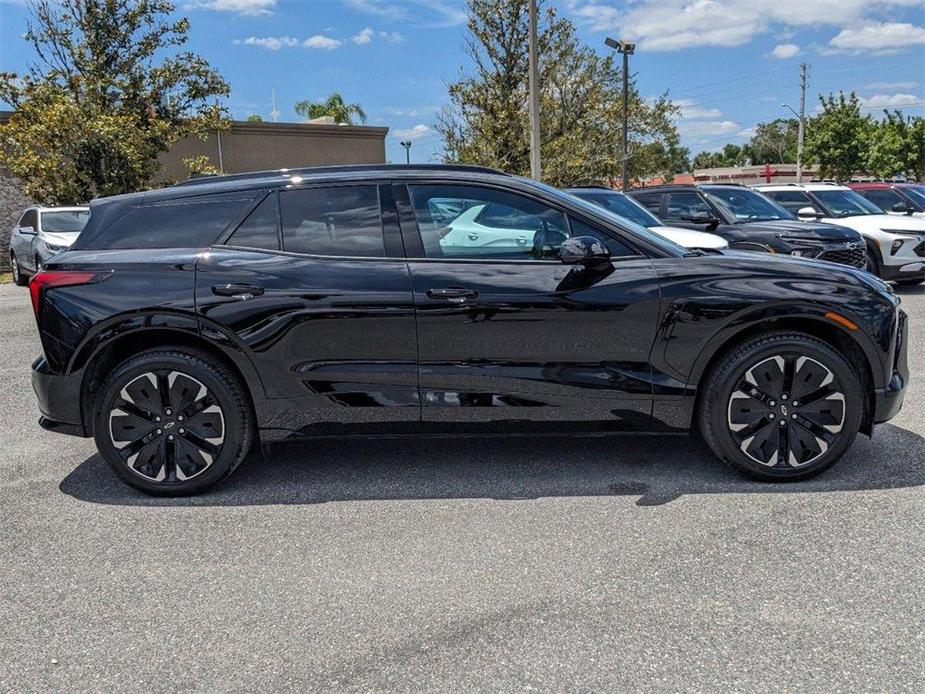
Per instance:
{"type": "Point", "coordinates": [47, 279]}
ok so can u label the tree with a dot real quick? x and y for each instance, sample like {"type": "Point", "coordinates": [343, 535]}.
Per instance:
{"type": "Point", "coordinates": [254, 118]}
{"type": "Point", "coordinates": [836, 139]}
{"type": "Point", "coordinates": [110, 91]}
{"type": "Point", "coordinates": [775, 142]}
{"type": "Point", "coordinates": [896, 145]}
{"type": "Point", "coordinates": [334, 107]}
{"type": "Point", "coordinates": [486, 120]}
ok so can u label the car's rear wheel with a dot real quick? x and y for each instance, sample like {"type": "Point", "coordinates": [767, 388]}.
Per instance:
{"type": "Point", "coordinates": [19, 277]}
{"type": "Point", "coordinates": [173, 422]}
{"type": "Point", "coordinates": [783, 406]}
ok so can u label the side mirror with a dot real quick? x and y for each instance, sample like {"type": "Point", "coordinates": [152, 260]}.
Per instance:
{"type": "Point", "coordinates": [808, 213]}
{"type": "Point", "coordinates": [902, 208]}
{"type": "Point", "coordinates": [707, 219]}
{"type": "Point", "coordinates": [586, 251]}
{"type": "Point", "coordinates": [27, 230]}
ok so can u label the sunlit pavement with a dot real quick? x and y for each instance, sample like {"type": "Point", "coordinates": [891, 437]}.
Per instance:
{"type": "Point", "coordinates": [468, 564]}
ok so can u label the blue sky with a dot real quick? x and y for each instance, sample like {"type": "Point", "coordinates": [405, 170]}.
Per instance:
{"type": "Point", "coordinates": [729, 63]}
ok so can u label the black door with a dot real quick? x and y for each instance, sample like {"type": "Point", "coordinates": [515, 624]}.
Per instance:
{"type": "Point", "coordinates": [508, 335]}
{"type": "Point", "coordinates": [315, 291]}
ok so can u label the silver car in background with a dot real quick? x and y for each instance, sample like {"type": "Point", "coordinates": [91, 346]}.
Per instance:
{"type": "Point", "coordinates": [41, 233]}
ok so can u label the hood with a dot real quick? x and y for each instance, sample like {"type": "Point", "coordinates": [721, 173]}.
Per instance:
{"type": "Point", "coordinates": [794, 228]}
{"type": "Point", "coordinates": [892, 221]}
{"type": "Point", "coordinates": [691, 239]}
{"type": "Point", "coordinates": [59, 238]}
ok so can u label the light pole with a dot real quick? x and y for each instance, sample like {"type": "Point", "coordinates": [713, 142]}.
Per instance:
{"type": "Point", "coordinates": [627, 49]}
{"type": "Point", "coordinates": [536, 169]}
{"type": "Point", "coordinates": [407, 145]}
{"type": "Point", "coordinates": [799, 143]}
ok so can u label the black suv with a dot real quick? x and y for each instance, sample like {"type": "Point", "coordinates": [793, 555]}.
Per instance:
{"type": "Point", "coordinates": [189, 322]}
{"type": "Point", "coordinates": [750, 221]}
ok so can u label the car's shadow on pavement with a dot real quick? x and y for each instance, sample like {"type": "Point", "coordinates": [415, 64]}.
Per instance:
{"type": "Point", "coordinates": [656, 469]}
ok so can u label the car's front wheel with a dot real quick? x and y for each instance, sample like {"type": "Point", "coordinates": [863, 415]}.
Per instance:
{"type": "Point", "coordinates": [19, 277]}
{"type": "Point", "coordinates": [782, 406]}
{"type": "Point", "coordinates": [173, 422]}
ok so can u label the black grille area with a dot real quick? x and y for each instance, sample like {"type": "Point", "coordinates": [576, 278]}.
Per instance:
{"type": "Point", "coordinates": [920, 249]}
{"type": "Point", "coordinates": [855, 257]}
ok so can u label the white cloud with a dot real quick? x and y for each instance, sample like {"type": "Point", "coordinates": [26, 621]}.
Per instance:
{"type": "Point", "coordinates": [322, 42]}
{"type": "Point", "coordinates": [415, 133]}
{"type": "Point", "coordinates": [436, 13]}
{"type": "Point", "coordinates": [364, 37]}
{"type": "Point", "coordinates": [878, 37]}
{"type": "Point", "coordinates": [670, 25]}
{"type": "Point", "coordinates": [271, 43]}
{"type": "Point", "coordinates": [705, 128]}
{"type": "Point", "coordinates": [785, 50]}
{"type": "Point", "coordinates": [391, 36]}
{"type": "Point", "coordinates": [748, 132]}
{"type": "Point", "coordinates": [690, 110]}
{"type": "Point", "coordinates": [890, 85]}
{"type": "Point", "coordinates": [245, 7]}
{"type": "Point", "coordinates": [892, 100]}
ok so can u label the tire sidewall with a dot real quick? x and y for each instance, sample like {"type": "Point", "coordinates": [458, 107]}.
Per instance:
{"type": "Point", "coordinates": [798, 347]}
{"type": "Point", "coordinates": [236, 429]}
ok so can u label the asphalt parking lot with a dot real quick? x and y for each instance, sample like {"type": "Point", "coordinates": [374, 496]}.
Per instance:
{"type": "Point", "coordinates": [555, 565]}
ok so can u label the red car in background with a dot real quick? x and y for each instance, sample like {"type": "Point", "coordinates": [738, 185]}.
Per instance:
{"type": "Point", "coordinates": [894, 198]}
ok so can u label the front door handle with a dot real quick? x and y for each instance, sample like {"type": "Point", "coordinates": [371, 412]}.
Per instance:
{"type": "Point", "coordinates": [238, 291]}
{"type": "Point", "coordinates": [454, 295]}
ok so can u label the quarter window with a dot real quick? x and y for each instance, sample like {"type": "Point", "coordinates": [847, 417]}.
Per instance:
{"type": "Point", "coordinates": [884, 199]}
{"type": "Point", "coordinates": [473, 222]}
{"type": "Point", "coordinates": [30, 219]}
{"type": "Point", "coordinates": [260, 229]}
{"type": "Point", "coordinates": [342, 221]}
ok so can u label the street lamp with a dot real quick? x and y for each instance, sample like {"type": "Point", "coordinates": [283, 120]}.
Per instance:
{"type": "Point", "coordinates": [626, 49]}
{"type": "Point", "coordinates": [407, 145]}
{"type": "Point", "coordinates": [799, 142]}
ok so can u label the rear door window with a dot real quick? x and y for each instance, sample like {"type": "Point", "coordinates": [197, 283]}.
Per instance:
{"type": "Point", "coordinates": [332, 221]}
{"type": "Point", "coordinates": [884, 199]}
{"type": "Point", "coordinates": [687, 206]}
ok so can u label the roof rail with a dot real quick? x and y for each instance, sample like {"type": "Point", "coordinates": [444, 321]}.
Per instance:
{"type": "Point", "coordinates": [347, 168]}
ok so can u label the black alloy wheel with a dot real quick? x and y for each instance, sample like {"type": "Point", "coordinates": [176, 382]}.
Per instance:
{"type": "Point", "coordinates": [783, 406]}
{"type": "Point", "coordinates": [173, 423]}
{"type": "Point", "coordinates": [19, 277]}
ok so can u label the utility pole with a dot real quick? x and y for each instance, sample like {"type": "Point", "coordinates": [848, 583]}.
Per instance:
{"type": "Point", "coordinates": [535, 167]}
{"type": "Point", "coordinates": [407, 145]}
{"type": "Point", "coordinates": [627, 49]}
{"type": "Point", "coordinates": [803, 69]}
{"type": "Point", "coordinates": [274, 114]}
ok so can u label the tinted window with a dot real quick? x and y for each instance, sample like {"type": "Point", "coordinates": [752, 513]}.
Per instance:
{"type": "Point", "coordinates": [917, 194]}
{"type": "Point", "coordinates": [652, 202]}
{"type": "Point", "coordinates": [747, 205]}
{"type": "Point", "coordinates": [846, 203]}
{"type": "Point", "coordinates": [623, 206]}
{"type": "Point", "coordinates": [792, 200]}
{"type": "Point", "coordinates": [65, 222]}
{"type": "Point", "coordinates": [617, 248]}
{"type": "Point", "coordinates": [185, 223]}
{"type": "Point", "coordinates": [332, 221]}
{"type": "Point", "coordinates": [473, 222]}
{"type": "Point", "coordinates": [30, 219]}
{"type": "Point", "coordinates": [686, 206]}
{"type": "Point", "coordinates": [259, 230]}
{"type": "Point", "coordinates": [884, 199]}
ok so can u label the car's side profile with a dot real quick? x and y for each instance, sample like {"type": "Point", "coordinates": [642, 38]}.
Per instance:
{"type": "Point", "coordinates": [894, 197]}
{"type": "Point", "coordinates": [188, 322]}
{"type": "Point", "coordinates": [895, 244]}
{"type": "Point", "coordinates": [40, 233]}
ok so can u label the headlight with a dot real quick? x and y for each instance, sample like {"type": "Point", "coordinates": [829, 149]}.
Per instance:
{"type": "Point", "coordinates": [804, 252]}
{"type": "Point", "coordinates": [56, 249]}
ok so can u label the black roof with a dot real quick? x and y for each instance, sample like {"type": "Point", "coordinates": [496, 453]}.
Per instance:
{"type": "Point", "coordinates": [664, 187]}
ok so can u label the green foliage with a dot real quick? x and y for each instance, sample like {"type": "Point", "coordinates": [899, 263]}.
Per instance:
{"type": "Point", "coordinates": [254, 118]}
{"type": "Point", "coordinates": [486, 121]}
{"type": "Point", "coordinates": [731, 155]}
{"type": "Point", "coordinates": [334, 107]}
{"type": "Point", "coordinates": [109, 93]}
{"type": "Point", "coordinates": [896, 145]}
{"type": "Point", "coordinates": [200, 165]}
{"type": "Point", "coordinates": [836, 139]}
{"type": "Point", "coordinates": [774, 142]}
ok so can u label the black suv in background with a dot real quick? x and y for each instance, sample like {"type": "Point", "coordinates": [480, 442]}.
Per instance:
{"type": "Point", "coordinates": [188, 322]}
{"type": "Point", "coordinates": [750, 221]}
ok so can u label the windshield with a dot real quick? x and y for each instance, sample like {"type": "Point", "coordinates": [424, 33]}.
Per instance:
{"type": "Point", "coordinates": [619, 222]}
{"type": "Point", "coordinates": [846, 203]}
{"type": "Point", "coordinates": [747, 205]}
{"type": "Point", "coordinates": [917, 195]}
{"type": "Point", "coordinates": [622, 206]}
{"type": "Point", "coordinates": [66, 222]}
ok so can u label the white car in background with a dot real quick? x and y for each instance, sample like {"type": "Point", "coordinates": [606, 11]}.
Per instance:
{"type": "Point", "coordinates": [41, 233]}
{"type": "Point", "coordinates": [895, 245]}
{"type": "Point", "coordinates": [624, 206]}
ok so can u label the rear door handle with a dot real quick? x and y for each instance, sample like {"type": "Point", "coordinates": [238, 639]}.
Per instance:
{"type": "Point", "coordinates": [454, 295]}
{"type": "Point", "coordinates": [238, 291]}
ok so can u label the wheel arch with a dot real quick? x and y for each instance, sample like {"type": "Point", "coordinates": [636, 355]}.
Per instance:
{"type": "Point", "coordinates": [833, 335]}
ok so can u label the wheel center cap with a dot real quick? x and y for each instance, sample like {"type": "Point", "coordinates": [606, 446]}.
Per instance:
{"type": "Point", "coordinates": [783, 410]}
{"type": "Point", "coordinates": [169, 425]}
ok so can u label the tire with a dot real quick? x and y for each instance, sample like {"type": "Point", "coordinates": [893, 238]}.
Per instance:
{"type": "Point", "coordinates": [911, 282]}
{"type": "Point", "coordinates": [797, 442]}
{"type": "Point", "coordinates": [164, 390]}
{"type": "Point", "coordinates": [873, 265]}
{"type": "Point", "coordinates": [19, 277]}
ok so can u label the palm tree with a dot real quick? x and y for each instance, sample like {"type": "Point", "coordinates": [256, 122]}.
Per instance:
{"type": "Point", "coordinates": [334, 107]}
